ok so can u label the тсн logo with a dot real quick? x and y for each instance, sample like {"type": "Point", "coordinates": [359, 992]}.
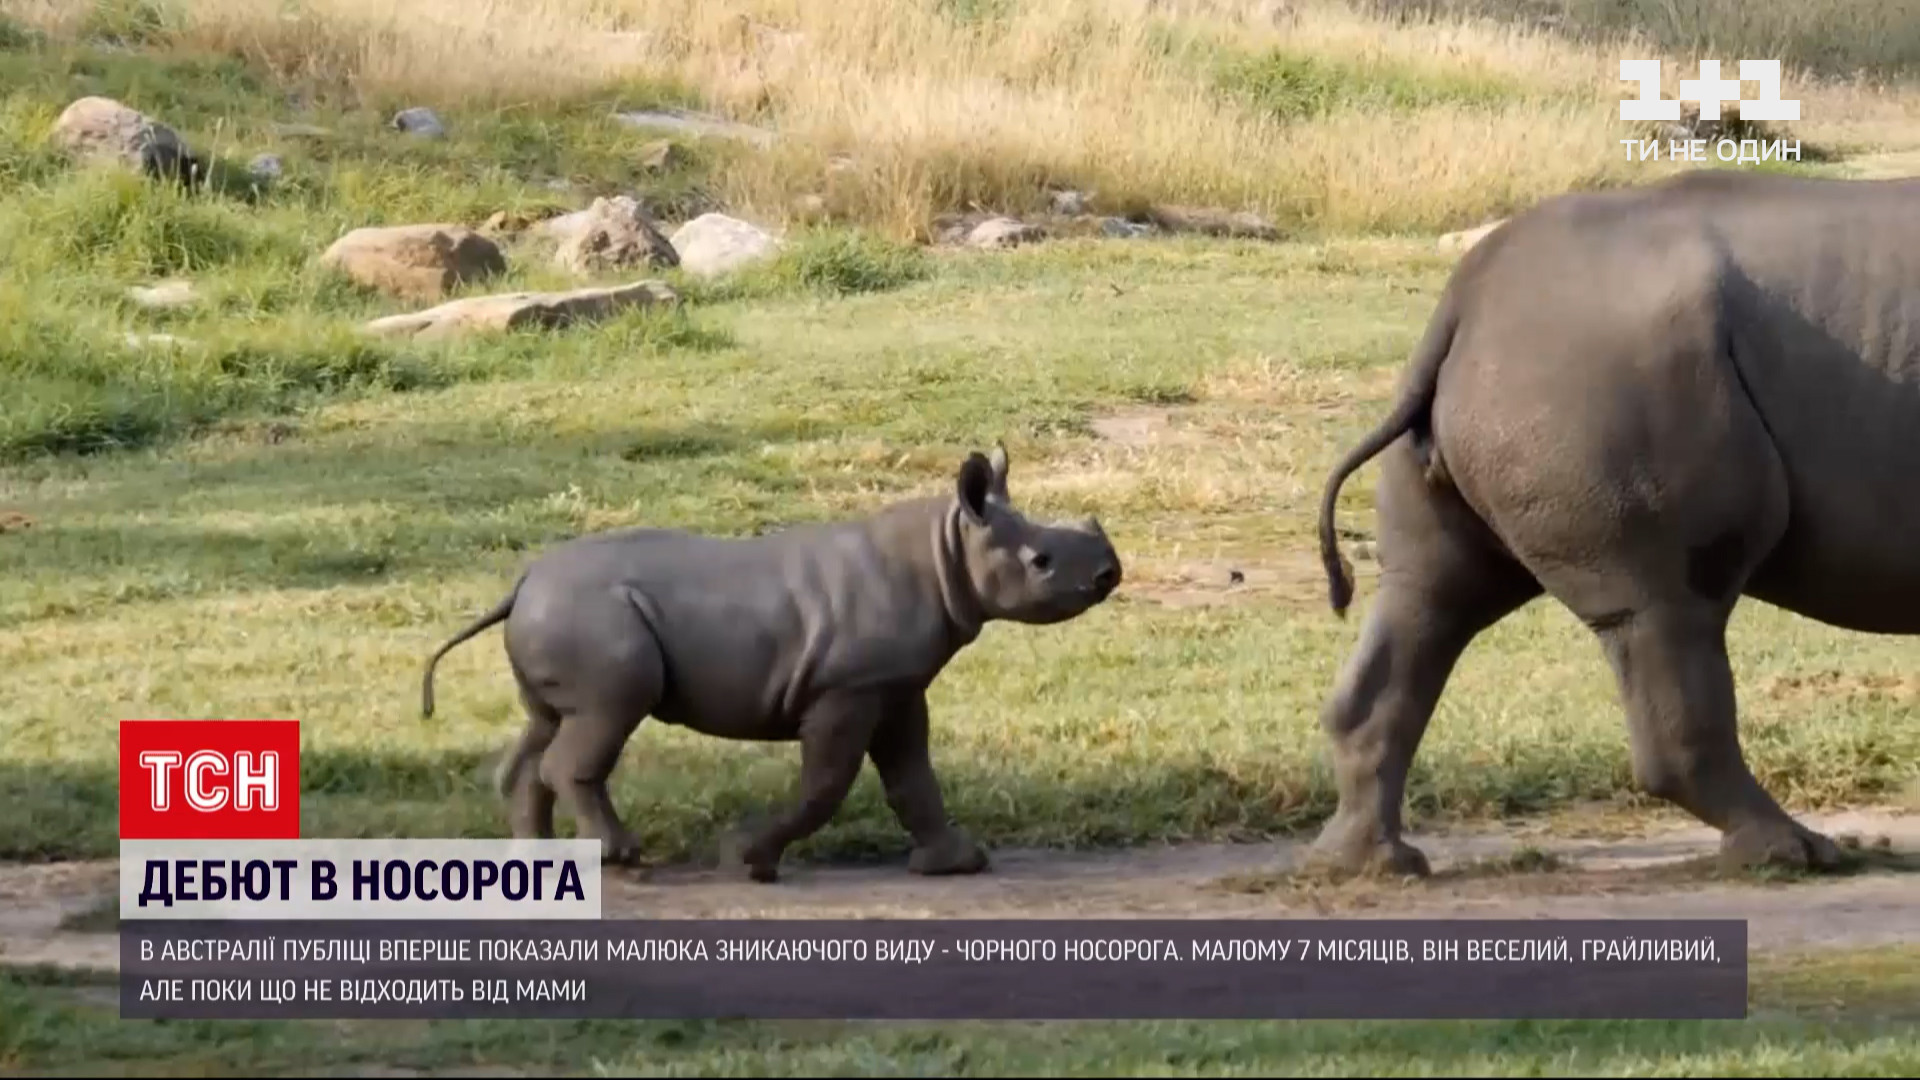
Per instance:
{"type": "Point", "coordinates": [209, 779]}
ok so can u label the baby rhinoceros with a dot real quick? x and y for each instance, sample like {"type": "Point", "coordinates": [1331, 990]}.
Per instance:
{"type": "Point", "coordinates": [825, 634]}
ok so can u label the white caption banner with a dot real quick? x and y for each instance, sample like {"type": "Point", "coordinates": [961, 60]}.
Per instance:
{"type": "Point", "coordinates": [360, 879]}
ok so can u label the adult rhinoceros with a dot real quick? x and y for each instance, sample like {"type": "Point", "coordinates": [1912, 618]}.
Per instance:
{"type": "Point", "coordinates": [1646, 403]}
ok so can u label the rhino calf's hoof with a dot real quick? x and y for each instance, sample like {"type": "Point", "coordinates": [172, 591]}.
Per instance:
{"type": "Point", "coordinates": [1786, 845]}
{"type": "Point", "coordinates": [953, 854]}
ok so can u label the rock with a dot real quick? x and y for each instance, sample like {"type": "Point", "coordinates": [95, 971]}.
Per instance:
{"type": "Point", "coordinates": [1213, 222]}
{"type": "Point", "coordinates": [265, 168]}
{"type": "Point", "coordinates": [1070, 203]}
{"type": "Point", "coordinates": [419, 121]}
{"type": "Point", "coordinates": [614, 234]}
{"type": "Point", "coordinates": [513, 311]}
{"type": "Point", "coordinates": [661, 155]}
{"type": "Point", "coordinates": [98, 129]}
{"type": "Point", "coordinates": [1466, 238]}
{"type": "Point", "coordinates": [173, 293]}
{"type": "Point", "coordinates": [141, 341]}
{"type": "Point", "coordinates": [1004, 232]}
{"type": "Point", "coordinates": [415, 261]}
{"type": "Point", "coordinates": [1124, 229]}
{"type": "Point", "coordinates": [695, 123]}
{"type": "Point", "coordinates": [714, 244]}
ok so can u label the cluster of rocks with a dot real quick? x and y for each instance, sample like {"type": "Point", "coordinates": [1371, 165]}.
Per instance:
{"type": "Point", "coordinates": [423, 263]}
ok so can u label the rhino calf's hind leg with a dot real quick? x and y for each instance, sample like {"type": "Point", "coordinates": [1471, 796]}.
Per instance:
{"type": "Point", "coordinates": [610, 687]}
{"type": "Point", "coordinates": [530, 801]}
{"type": "Point", "coordinates": [834, 736]}
{"type": "Point", "coordinates": [901, 754]}
{"type": "Point", "coordinates": [1674, 675]}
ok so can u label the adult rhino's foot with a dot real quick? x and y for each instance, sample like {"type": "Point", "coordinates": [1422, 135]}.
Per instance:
{"type": "Point", "coordinates": [620, 850]}
{"type": "Point", "coordinates": [1778, 843]}
{"type": "Point", "coordinates": [953, 853]}
{"type": "Point", "coordinates": [741, 857]}
{"type": "Point", "coordinates": [1350, 849]}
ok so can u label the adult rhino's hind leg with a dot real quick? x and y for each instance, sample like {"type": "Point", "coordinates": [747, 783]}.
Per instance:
{"type": "Point", "coordinates": [1677, 684]}
{"type": "Point", "coordinates": [1444, 579]}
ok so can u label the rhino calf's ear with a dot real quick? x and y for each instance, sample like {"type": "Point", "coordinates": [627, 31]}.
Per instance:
{"type": "Point", "coordinates": [975, 483]}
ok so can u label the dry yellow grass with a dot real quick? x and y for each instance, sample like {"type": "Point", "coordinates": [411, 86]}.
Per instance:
{"type": "Point", "coordinates": [930, 110]}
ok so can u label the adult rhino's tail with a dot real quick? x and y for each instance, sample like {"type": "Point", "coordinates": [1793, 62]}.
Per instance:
{"type": "Point", "coordinates": [1415, 398]}
{"type": "Point", "coordinates": [500, 611]}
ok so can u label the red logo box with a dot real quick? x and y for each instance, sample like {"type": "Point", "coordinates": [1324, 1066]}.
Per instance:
{"type": "Point", "coordinates": [210, 779]}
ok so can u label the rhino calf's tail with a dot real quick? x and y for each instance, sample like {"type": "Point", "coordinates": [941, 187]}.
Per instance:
{"type": "Point", "coordinates": [1415, 399]}
{"type": "Point", "coordinates": [500, 612]}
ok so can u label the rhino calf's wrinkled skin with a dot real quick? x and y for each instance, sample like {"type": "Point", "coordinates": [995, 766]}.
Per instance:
{"type": "Point", "coordinates": [1647, 404]}
{"type": "Point", "coordinates": [828, 635]}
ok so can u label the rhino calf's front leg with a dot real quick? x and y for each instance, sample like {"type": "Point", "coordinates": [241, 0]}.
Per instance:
{"type": "Point", "coordinates": [833, 742]}
{"type": "Point", "coordinates": [901, 753]}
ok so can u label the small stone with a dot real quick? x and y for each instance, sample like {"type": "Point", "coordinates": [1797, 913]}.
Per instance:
{"type": "Point", "coordinates": [1210, 221]}
{"type": "Point", "coordinates": [1004, 232]}
{"type": "Point", "coordinates": [809, 207]}
{"type": "Point", "coordinates": [1235, 577]}
{"type": "Point", "coordinates": [419, 121]}
{"type": "Point", "coordinates": [661, 155]}
{"type": "Point", "coordinates": [101, 129]}
{"type": "Point", "coordinates": [512, 311]}
{"type": "Point", "coordinates": [415, 261]}
{"type": "Point", "coordinates": [694, 123]}
{"type": "Point", "coordinates": [265, 168]}
{"type": "Point", "coordinates": [714, 244]}
{"type": "Point", "coordinates": [1124, 229]}
{"type": "Point", "coordinates": [172, 293]}
{"type": "Point", "coordinates": [1070, 203]}
{"type": "Point", "coordinates": [612, 234]}
{"type": "Point", "coordinates": [1467, 238]}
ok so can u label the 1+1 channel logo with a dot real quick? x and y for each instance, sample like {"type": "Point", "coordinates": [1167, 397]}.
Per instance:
{"type": "Point", "coordinates": [1709, 91]}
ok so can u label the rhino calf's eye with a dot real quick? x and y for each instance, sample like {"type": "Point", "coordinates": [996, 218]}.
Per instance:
{"type": "Point", "coordinates": [1041, 560]}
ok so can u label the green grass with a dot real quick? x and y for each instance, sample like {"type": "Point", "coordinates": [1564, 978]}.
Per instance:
{"type": "Point", "coordinates": [306, 570]}
{"type": "Point", "coordinates": [278, 517]}
{"type": "Point", "coordinates": [1835, 1014]}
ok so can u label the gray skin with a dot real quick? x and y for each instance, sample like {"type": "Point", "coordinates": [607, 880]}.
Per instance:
{"type": "Point", "coordinates": [1647, 404]}
{"type": "Point", "coordinates": [826, 634]}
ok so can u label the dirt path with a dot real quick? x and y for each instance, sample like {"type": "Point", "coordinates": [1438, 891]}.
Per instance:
{"type": "Point", "coordinates": [1478, 874]}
